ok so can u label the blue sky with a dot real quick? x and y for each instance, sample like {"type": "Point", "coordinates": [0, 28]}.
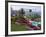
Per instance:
{"type": "Point", "coordinates": [34, 8]}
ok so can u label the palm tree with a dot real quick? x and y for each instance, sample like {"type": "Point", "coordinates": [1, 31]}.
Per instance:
{"type": "Point", "coordinates": [22, 11]}
{"type": "Point", "coordinates": [30, 10]}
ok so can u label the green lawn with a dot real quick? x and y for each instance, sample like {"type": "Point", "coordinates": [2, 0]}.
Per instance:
{"type": "Point", "coordinates": [15, 27]}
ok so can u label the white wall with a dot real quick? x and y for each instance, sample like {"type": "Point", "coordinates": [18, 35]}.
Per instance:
{"type": "Point", "coordinates": [2, 19]}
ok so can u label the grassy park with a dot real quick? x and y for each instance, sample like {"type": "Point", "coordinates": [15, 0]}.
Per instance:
{"type": "Point", "coordinates": [25, 20]}
{"type": "Point", "coordinates": [20, 26]}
